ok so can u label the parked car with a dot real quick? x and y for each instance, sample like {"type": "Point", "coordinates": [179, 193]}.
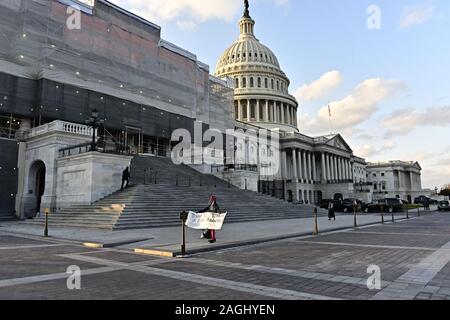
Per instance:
{"type": "Point", "coordinates": [422, 200]}
{"type": "Point", "coordinates": [346, 205]}
{"type": "Point", "coordinates": [325, 203]}
{"type": "Point", "coordinates": [388, 205]}
{"type": "Point", "coordinates": [444, 206]}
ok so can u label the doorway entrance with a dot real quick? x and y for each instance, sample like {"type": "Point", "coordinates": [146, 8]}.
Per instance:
{"type": "Point", "coordinates": [36, 184]}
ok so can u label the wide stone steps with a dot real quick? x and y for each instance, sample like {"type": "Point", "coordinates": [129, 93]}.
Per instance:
{"type": "Point", "coordinates": [149, 205]}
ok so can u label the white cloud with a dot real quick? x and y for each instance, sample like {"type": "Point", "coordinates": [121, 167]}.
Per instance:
{"type": "Point", "coordinates": [187, 25]}
{"type": "Point", "coordinates": [319, 88]}
{"type": "Point", "coordinates": [368, 150]}
{"type": "Point", "coordinates": [403, 121]}
{"type": "Point", "coordinates": [417, 15]}
{"type": "Point", "coordinates": [354, 109]}
{"type": "Point", "coordinates": [194, 11]}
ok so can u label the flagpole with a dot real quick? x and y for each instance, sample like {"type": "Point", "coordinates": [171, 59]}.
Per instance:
{"type": "Point", "coordinates": [329, 114]}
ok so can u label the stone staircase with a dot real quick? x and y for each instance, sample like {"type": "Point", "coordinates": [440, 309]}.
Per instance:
{"type": "Point", "coordinates": [161, 190]}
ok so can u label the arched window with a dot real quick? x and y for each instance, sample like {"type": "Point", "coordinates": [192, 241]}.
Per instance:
{"type": "Point", "coordinates": [259, 82]}
{"type": "Point", "coordinates": [278, 85]}
{"type": "Point", "coordinates": [252, 83]}
{"type": "Point", "coordinates": [266, 83]}
{"type": "Point", "coordinates": [237, 83]}
{"type": "Point", "coordinates": [244, 82]}
{"type": "Point", "coordinates": [273, 84]}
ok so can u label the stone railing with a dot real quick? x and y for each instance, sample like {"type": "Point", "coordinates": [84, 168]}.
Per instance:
{"type": "Point", "coordinates": [61, 126]}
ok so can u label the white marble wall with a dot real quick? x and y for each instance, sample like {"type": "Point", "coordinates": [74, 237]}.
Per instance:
{"type": "Point", "coordinates": [86, 178]}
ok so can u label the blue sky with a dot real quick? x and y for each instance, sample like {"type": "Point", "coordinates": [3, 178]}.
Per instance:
{"type": "Point", "coordinates": [388, 88]}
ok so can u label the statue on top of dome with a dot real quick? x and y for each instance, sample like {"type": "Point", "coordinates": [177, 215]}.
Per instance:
{"type": "Point", "coordinates": [246, 12]}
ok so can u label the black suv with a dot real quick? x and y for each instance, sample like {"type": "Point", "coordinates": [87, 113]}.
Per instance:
{"type": "Point", "coordinates": [444, 206]}
{"type": "Point", "coordinates": [387, 205]}
{"type": "Point", "coordinates": [422, 200]}
{"type": "Point", "coordinates": [345, 205]}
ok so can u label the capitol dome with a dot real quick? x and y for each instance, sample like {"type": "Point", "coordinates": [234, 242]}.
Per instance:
{"type": "Point", "coordinates": [261, 87]}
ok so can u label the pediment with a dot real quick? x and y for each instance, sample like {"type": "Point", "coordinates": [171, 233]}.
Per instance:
{"type": "Point", "coordinates": [339, 143]}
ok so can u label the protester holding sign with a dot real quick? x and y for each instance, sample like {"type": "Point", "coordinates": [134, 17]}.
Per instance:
{"type": "Point", "coordinates": [214, 208]}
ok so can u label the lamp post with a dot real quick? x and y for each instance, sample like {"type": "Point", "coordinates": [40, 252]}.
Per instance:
{"type": "Point", "coordinates": [355, 207]}
{"type": "Point", "coordinates": [94, 123]}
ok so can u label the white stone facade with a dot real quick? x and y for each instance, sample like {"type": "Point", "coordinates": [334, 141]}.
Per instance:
{"type": "Point", "coordinates": [396, 179]}
{"type": "Point", "coordinates": [52, 181]}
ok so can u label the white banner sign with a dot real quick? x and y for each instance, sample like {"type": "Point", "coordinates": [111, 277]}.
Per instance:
{"type": "Point", "coordinates": [207, 220]}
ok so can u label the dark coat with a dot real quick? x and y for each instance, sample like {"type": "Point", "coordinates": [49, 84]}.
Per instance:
{"type": "Point", "coordinates": [331, 214]}
{"type": "Point", "coordinates": [125, 174]}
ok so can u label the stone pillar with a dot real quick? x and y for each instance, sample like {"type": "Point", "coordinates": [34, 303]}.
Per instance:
{"type": "Point", "coordinates": [309, 167]}
{"type": "Point", "coordinates": [258, 115]}
{"type": "Point", "coordinates": [300, 167]}
{"type": "Point", "coordinates": [305, 172]}
{"type": "Point", "coordinates": [314, 172]}
{"type": "Point", "coordinates": [241, 115]}
{"type": "Point", "coordinates": [324, 168]}
{"type": "Point", "coordinates": [285, 174]}
{"type": "Point", "coordinates": [294, 164]}
{"type": "Point", "coordinates": [249, 115]}
{"type": "Point", "coordinates": [283, 120]}
{"type": "Point", "coordinates": [274, 107]}
{"type": "Point", "coordinates": [341, 169]}
{"type": "Point", "coordinates": [335, 177]}
{"type": "Point", "coordinates": [289, 115]}
{"type": "Point", "coordinates": [266, 113]}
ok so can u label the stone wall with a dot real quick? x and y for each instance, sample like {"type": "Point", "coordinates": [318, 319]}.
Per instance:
{"type": "Point", "coordinates": [86, 178]}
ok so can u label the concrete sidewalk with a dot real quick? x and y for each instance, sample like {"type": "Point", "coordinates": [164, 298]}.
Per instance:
{"type": "Point", "coordinates": [166, 241]}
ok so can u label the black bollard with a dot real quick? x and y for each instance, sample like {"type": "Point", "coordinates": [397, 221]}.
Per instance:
{"type": "Point", "coordinates": [183, 218]}
{"type": "Point", "coordinates": [382, 214]}
{"type": "Point", "coordinates": [47, 211]}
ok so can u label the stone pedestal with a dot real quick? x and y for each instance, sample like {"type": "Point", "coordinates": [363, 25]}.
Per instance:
{"type": "Point", "coordinates": [86, 178]}
{"type": "Point", "coordinates": [245, 180]}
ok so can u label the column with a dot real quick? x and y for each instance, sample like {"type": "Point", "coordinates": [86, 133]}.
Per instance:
{"type": "Point", "coordinates": [282, 112]}
{"type": "Point", "coordinates": [294, 164]}
{"type": "Point", "coordinates": [240, 115]}
{"type": "Point", "coordinates": [349, 170]}
{"type": "Point", "coordinates": [352, 170]}
{"type": "Point", "coordinates": [314, 177]}
{"type": "Point", "coordinates": [258, 116]}
{"type": "Point", "coordinates": [309, 168]}
{"type": "Point", "coordinates": [335, 177]}
{"type": "Point", "coordinates": [266, 114]}
{"type": "Point", "coordinates": [345, 169]}
{"type": "Point", "coordinates": [273, 112]}
{"type": "Point", "coordinates": [341, 169]}
{"type": "Point", "coordinates": [324, 169]}
{"type": "Point", "coordinates": [305, 172]}
{"type": "Point", "coordinates": [289, 119]}
{"type": "Point", "coordinates": [284, 165]}
{"type": "Point", "coordinates": [328, 166]}
{"type": "Point", "coordinates": [249, 116]}
{"type": "Point", "coordinates": [300, 168]}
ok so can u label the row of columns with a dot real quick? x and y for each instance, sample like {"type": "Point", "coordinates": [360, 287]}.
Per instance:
{"type": "Point", "coordinates": [334, 168]}
{"type": "Point", "coordinates": [272, 111]}
{"type": "Point", "coordinates": [303, 164]}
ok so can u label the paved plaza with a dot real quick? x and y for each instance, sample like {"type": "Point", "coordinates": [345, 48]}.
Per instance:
{"type": "Point", "coordinates": [413, 256]}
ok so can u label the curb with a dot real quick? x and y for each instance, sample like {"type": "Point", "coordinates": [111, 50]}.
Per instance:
{"type": "Point", "coordinates": [178, 254]}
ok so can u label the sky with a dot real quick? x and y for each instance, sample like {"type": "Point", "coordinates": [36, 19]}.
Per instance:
{"type": "Point", "coordinates": [383, 66]}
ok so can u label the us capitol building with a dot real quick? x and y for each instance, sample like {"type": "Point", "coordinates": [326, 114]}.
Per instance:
{"type": "Point", "coordinates": [312, 168]}
{"type": "Point", "coordinates": [143, 88]}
